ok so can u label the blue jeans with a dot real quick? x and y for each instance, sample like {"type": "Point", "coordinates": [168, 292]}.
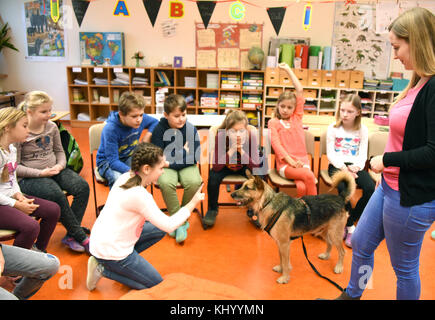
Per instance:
{"type": "Point", "coordinates": [35, 267]}
{"type": "Point", "coordinates": [403, 229]}
{"type": "Point", "coordinates": [134, 271]}
{"type": "Point", "coordinates": [109, 174]}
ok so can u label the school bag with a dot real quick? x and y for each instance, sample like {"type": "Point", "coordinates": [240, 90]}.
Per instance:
{"type": "Point", "coordinates": [74, 159]}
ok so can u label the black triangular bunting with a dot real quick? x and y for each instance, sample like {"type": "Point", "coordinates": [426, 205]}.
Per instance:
{"type": "Point", "coordinates": [206, 9]}
{"type": "Point", "coordinates": [152, 7]}
{"type": "Point", "coordinates": [80, 7]}
{"type": "Point", "coordinates": [276, 16]}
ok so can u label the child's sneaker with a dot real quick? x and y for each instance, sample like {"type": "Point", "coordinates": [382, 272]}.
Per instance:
{"type": "Point", "coordinates": [94, 275]}
{"type": "Point", "coordinates": [72, 244]}
{"type": "Point", "coordinates": [181, 232]}
{"type": "Point", "coordinates": [347, 241]}
{"type": "Point", "coordinates": [345, 233]}
{"type": "Point", "coordinates": [210, 218]}
{"type": "Point", "coordinates": [433, 234]}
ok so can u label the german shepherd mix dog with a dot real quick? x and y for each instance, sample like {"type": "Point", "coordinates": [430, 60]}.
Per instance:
{"type": "Point", "coordinates": [286, 218]}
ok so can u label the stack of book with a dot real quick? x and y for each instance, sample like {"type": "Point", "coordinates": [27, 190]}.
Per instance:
{"type": "Point", "coordinates": [252, 101]}
{"type": "Point", "coordinates": [209, 100]}
{"type": "Point", "coordinates": [230, 81]}
{"type": "Point", "coordinates": [163, 79]}
{"type": "Point", "coordinates": [229, 100]}
{"type": "Point", "coordinates": [100, 81]}
{"type": "Point", "coordinates": [371, 84]}
{"type": "Point", "coordinates": [253, 81]}
{"type": "Point", "coordinates": [122, 79]}
{"type": "Point", "coordinates": [80, 81]}
{"type": "Point", "coordinates": [212, 80]}
{"type": "Point", "coordinates": [386, 84]}
{"type": "Point", "coordinates": [140, 81]}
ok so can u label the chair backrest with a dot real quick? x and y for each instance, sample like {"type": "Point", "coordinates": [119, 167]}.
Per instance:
{"type": "Point", "coordinates": [377, 143]}
{"type": "Point", "coordinates": [323, 144]}
{"type": "Point", "coordinates": [310, 143]}
{"type": "Point", "coordinates": [95, 136]}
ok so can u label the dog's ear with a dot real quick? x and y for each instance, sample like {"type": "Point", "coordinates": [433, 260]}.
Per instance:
{"type": "Point", "coordinates": [248, 174]}
{"type": "Point", "coordinates": [258, 183]}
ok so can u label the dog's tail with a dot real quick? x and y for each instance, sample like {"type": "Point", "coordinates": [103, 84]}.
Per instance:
{"type": "Point", "coordinates": [346, 177]}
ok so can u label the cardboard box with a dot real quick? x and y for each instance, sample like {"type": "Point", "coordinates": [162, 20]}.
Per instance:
{"type": "Point", "coordinates": [272, 76]}
{"type": "Point", "coordinates": [269, 111]}
{"type": "Point", "coordinates": [328, 78]}
{"type": "Point", "coordinates": [302, 75]}
{"type": "Point", "coordinates": [342, 78]}
{"type": "Point", "coordinates": [310, 93]}
{"type": "Point", "coordinates": [356, 79]}
{"type": "Point", "coordinates": [284, 78]}
{"type": "Point", "coordinates": [314, 78]}
{"type": "Point", "coordinates": [274, 92]}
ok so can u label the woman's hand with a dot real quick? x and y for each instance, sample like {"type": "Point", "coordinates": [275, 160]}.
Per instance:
{"type": "Point", "coordinates": [377, 164]}
{"type": "Point", "coordinates": [48, 172]}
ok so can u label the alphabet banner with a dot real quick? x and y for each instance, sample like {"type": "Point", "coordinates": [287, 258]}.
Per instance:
{"type": "Point", "coordinates": [152, 7]}
{"type": "Point", "coordinates": [206, 9]}
{"type": "Point", "coordinates": [276, 16]}
{"type": "Point", "coordinates": [80, 7]}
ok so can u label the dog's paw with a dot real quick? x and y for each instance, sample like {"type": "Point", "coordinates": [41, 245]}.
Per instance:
{"type": "Point", "coordinates": [277, 268]}
{"type": "Point", "coordinates": [338, 268]}
{"type": "Point", "coordinates": [283, 279]}
{"type": "Point", "coordinates": [324, 256]}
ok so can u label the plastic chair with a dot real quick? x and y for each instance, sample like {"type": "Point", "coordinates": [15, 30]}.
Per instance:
{"type": "Point", "coordinates": [276, 180]}
{"type": "Point", "coordinates": [94, 143]}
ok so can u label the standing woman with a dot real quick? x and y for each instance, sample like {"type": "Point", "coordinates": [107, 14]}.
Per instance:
{"type": "Point", "coordinates": [402, 208]}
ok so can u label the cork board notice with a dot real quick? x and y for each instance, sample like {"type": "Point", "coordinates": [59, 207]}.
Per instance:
{"type": "Point", "coordinates": [226, 45]}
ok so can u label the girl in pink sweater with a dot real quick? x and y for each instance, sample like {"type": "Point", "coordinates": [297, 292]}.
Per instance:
{"type": "Point", "coordinates": [288, 138]}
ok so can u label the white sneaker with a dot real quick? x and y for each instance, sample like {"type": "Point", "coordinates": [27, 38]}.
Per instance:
{"type": "Point", "coordinates": [94, 275]}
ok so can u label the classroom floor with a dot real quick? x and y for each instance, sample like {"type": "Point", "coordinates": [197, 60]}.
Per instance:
{"type": "Point", "coordinates": [233, 252]}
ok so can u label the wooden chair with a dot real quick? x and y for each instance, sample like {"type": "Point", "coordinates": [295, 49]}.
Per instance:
{"type": "Point", "coordinates": [94, 143]}
{"type": "Point", "coordinates": [377, 142]}
{"type": "Point", "coordinates": [232, 179]}
{"type": "Point", "coordinates": [276, 180]}
{"type": "Point", "coordinates": [7, 234]}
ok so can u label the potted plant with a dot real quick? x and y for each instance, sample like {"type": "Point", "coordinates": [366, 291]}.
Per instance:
{"type": "Point", "coordinates": [5, 41]}
{"type": "Point", "coordinates": [138, 56]}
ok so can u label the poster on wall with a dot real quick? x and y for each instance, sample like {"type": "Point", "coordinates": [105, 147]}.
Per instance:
{"type": "Point", "coordinates": [226, 45]}
{"type": "Point", "coordinates": [358, 46]}
{"type": "Point", "coordinates": [45, 36]}
{"type": "Point", "coordinates": [102, 48]}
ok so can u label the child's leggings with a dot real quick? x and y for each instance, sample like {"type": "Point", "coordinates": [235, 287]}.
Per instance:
{"type": "Point", "coordinates": [51, 188]}
{"type": "Point", "coordinates": [403, 229]}
{"type": "Point", "coordinates": [304, 179]}
{"type": "Point", "coordinates": [28, 229]}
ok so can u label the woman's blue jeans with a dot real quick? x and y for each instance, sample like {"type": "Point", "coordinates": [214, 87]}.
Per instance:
{"type": "Point", "coordinates": [134, 271]}
{"type": "Point", "coordinates": [403, 229]}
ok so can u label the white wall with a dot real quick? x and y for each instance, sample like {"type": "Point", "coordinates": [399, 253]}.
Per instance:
{"type": "Point", "coordinates": [140, 35]}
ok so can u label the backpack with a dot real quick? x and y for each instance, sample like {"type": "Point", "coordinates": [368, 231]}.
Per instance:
{"type": "Point", "coordinates": [74, 159]}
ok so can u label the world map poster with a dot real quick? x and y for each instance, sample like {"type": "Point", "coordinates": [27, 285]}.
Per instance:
{"type": "Point", "coordinates": [102, 48]}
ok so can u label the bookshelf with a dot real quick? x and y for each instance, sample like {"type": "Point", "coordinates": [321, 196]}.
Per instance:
{"type": "Point", "coordinates": [325, 100]}
{"type": "Point", "coordinates": [94, 91]}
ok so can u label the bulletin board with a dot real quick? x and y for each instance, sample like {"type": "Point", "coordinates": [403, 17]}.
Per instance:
{"type": "Point", "coordinates": [226, 45]}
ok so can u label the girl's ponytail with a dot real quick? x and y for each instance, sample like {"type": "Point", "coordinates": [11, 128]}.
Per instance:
{"type": "Point", "coordinates": [144, 154]}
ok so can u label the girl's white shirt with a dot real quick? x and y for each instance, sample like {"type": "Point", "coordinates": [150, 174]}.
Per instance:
{"type": "Point", "coordinates": [119, 226]}
{"type": "Point", "coordinates": [347, 146]}
{"type": "Point", "coordinates": [8, 159]}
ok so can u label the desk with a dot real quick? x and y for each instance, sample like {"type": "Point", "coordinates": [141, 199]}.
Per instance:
{"type": "Point", "coordinates": [9, 98]}
{"type": "Point", "coordinates": [57, 115]}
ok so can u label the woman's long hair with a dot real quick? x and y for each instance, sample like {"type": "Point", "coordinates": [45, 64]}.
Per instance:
{"type": "Point", "coordinates": [417, 27]}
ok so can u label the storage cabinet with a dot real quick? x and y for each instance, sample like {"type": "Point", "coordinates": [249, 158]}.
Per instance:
{"type": "Point", "coordinates": [325, 100]}
{"type": "Point", "coordinates": [94, 91]}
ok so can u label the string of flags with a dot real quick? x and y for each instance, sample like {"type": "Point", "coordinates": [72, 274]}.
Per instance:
{"type": "Point", "coordinates": [176, 10]}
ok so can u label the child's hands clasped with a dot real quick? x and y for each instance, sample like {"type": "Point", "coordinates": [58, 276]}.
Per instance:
{"type": "Point", "coordinates": [27, 206]}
